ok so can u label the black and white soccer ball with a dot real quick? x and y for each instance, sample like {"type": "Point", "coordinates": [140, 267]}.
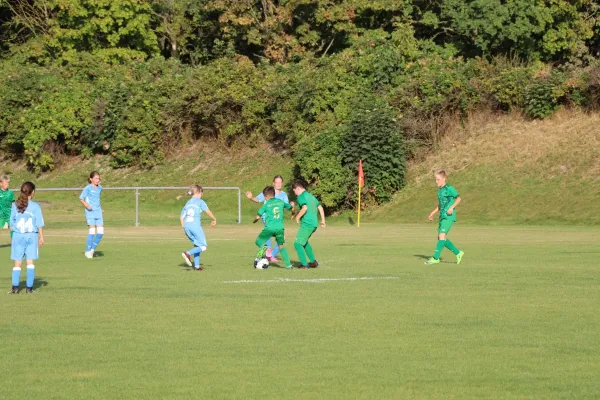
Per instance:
{"type": "Point", "coordinates": [261, 263]}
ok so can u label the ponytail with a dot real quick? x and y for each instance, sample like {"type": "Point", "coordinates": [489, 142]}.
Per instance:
{"type": "Point", "coordinates": [27, 190]}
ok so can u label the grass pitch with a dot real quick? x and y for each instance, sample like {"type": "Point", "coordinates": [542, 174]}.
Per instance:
{"type": "Point", "coordinates": [517, 319]}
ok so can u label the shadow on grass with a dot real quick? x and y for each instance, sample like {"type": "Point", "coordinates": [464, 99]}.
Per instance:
{"type": "Point", "coordinates": [351, 221]}
{"type": "Point", "coordinates": [39, 283]}
{"type": "Point", "coordinates": [424, 257]}
{"type": "Point", "coordinates": [4, 245]}
{"type": "Point", "coordinates": [187, 268]}
{"type": "Point", "coordinates": [98, 254]}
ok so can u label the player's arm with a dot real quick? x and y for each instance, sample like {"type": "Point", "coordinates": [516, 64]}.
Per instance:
{"type": "Point", "coordinates": [303, 211]}
{"type": "Point", "coordinates": [250, 197]}
{"type": "Point", "coordinates": [85, 204]}
{"type": "Point", "coordinates": [322, 213]}
{"type": "Point", "coordinates": [435, 210]}
{"type": "Point", "coordinates": [41, 236]}
{"type": "Point", "coordinates": [211, 215]}
{"type": "Point", "coordinates": [453, 206]}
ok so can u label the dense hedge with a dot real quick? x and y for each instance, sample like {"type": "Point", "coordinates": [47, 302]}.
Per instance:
{"type": "Point", "coordinates": [370, 80]}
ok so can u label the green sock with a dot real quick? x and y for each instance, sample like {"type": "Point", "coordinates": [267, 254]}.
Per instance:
{"type": "Point", "coordinates": [301, 256]}
{"type": "Point", "coordinates": [450, 246]}
{"type": "Point", "coordinates": [286, 257]}
{"type": "Point", "coordinates": [309, 252]}
{"type": "Point", "coordinates": [438, 249]}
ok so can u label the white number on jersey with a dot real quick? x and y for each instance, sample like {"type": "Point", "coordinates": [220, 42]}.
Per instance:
{"type": "Point", "coordinates": [25, 226]}
{"type": "Point", "coordinates": [189, 215]}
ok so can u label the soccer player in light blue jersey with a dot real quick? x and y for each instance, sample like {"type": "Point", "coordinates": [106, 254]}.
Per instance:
{"type": "Point", "coordinates": [27, 222]}
{"type": "Point", "coordinates": [90, 198]}
{"type": "Point", "coordinates": [191, 222]}
{"type": "Point", "coordinates": [281, 195]}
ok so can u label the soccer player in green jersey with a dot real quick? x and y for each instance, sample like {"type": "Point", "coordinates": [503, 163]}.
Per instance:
{"type": "Point", "coordinates": [272, 213]}
{"type": "Point", "coordinates": [448, 199]}
{"type": "Point", "coordinates": [308, 220]}
{"type": "Point", "coordinates": [7, 198]}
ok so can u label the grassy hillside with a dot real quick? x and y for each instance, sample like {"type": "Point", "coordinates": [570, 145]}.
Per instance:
{"type": "Point", "coordinates": [507, 170]}
{"type": "Point", "coordinates": [511, 171]}
{"type": "Point", "coordinates": [207, 164]}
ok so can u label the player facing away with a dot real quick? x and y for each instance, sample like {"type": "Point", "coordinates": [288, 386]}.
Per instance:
{"type": "Point", "coordinates": [281, 195]}
{"type": "Point", "coordinates": [308, 220]}
{"type": "Point", "coordinates": [272, 215]}
{"type": "Point", "coordinates": [27, 222]}
{"type": "Point", "coordinates": [448, 199]}
{"type": "Point", "coordinates": [191, 222]}
{"type": "Point", "coordinates": [90, 198]}
{"type": "Point", "coordinates": [7, 198]}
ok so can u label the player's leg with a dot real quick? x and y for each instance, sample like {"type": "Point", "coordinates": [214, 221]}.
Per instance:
{"type": "Point", "coordinates": [199, 240]}
{"type": "Point", "coordinates": [443, 229]}
{"type": "Point", "coordinates": [302, 237]}
{"type": "Point", "coordinates": [17, 251]}
{"type": "Point", "coordinates": [274, 252]}
{"type": "Point", "coordinates": [99, 222]}
{"type": "Point", "coordinates": [311, 256]}
{"type": "Point", "coordinates": [458, 253]}
{"type": "Point", "coordinates": [31, 254]}
{"type": "Point", "coordinates": [90, 237]}
{"type": "Point", "coordinates": [280, 240]}
{"type": "Point", "coordinates": [262, 241]}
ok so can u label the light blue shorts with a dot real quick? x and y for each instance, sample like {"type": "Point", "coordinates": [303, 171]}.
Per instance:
{"type": "Point", "coordinates": [196, 236]}
{"type": "Point", "coordinates": [94, 218]}
{"type": "Point", "coordinates": [24, 245]}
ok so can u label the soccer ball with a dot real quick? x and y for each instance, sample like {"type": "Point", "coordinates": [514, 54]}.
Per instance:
{"type": "Point", "coordinates": [261, 263]}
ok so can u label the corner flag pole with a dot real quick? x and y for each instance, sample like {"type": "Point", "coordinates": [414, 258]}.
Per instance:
{"type": "Point", "coordinates": [361, 183]}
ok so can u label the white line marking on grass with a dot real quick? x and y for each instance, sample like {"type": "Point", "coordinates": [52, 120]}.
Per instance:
{"type": "Point", "coordinates": [315, 280]}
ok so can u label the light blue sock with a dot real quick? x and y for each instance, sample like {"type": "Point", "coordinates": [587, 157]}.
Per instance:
{"type": "Point", "coordinates": [16, 276]}
{"type": "Point", "coordinates": [197, 260]}
{"type": "Point", "coordinates": [97, 240]}
{"type": "Point", "coordinates": [194, 251]}
{"type": "Point", "coordinates": [88, 242]}
{"type": "Point", "coordinates": [268, 244]}
{"type": "Point", "coordinates": [275, 250]}
{"type": "Point", "coordinates": [30, 275]}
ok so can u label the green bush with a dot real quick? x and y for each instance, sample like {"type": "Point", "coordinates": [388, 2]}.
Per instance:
{"type": "Point", "coordinates": [374, 137]}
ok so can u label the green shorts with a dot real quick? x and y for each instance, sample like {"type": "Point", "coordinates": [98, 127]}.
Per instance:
{"type": "Point", "coordinates": [304, 233]}
{"type": "Point", "coordinates": [4, 223]}
{"type": "Point", "coordinates": [444, 226]}
{"type": "Point", "coordinates": [267, 234]}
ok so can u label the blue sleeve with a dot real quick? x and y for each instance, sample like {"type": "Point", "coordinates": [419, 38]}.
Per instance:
{"type": "Point", "coordinates": [183, 211]}
{"type": "Point", "coordinates": [13, 215]}
{"type": "Point", "coordinates": [285, 197]}
{"type": "Point", "coordinates": [84, 193]}
{"type": "Point", "coordinates": [203, 205]}
{"type": "Point", "coordinates": [39, 218]}
{"type": "Point", "coordinates": [260, 198]}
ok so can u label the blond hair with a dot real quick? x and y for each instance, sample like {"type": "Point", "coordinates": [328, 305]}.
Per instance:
{"type": "Point", "coordinates": [195, 189]}
{"type": "Point", "coordinates": [4, 178]}
{"type": "Point", "coordinates": [442, 173]}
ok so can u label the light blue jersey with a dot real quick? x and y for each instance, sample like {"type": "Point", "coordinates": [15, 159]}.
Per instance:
{"type": "Point", "coordinates": [192, 221]}
{"type": "Point", "coordinates": [192, 212]}
{"type": "Point", "coordinates": [26, 226]}
{"type": "Point", "coordinates": [91, 195]}
{"type": "Point", "coordinates": [281, 196]}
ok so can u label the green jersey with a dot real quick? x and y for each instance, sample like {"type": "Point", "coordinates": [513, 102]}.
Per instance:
{"type": "Point", "coordinates": [446, 196]}
{"type": "Point", "coordinates": [311, 217]}
{"type": "Point", "coordinates": [272, 212]}
{"type": "Point", "coordinates": [6, 199]}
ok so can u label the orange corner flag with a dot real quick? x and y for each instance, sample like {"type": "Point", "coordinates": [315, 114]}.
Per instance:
{"type": "Point", "coordinates": [361, 175]}
{"type": "Point", "coordinates": [361, 183]}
